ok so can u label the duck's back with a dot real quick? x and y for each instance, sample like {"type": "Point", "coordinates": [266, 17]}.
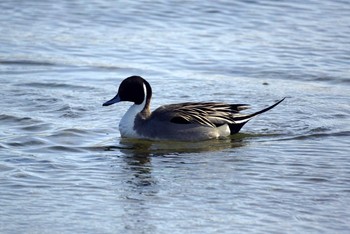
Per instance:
{"type": "Point", "coordinates": [187, 121]}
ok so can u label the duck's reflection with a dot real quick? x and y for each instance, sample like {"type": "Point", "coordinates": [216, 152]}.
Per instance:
{"type": "Point", "coordinates": [142, 188]}
{"type": "Point", "coordinates": [138, 154]}
{"type": "Point", "coordinates": [146, 148]}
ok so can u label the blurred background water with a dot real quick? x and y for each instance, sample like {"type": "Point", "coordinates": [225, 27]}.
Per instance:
{"type": "Point", "coordinates": [65, 169]}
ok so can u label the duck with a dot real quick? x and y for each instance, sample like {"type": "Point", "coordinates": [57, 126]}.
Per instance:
{"type": "Point", "coordinates": [188, 121]}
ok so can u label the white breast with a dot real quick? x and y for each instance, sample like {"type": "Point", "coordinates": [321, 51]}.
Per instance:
{"type": "Point", "coordinates": [126, 125]}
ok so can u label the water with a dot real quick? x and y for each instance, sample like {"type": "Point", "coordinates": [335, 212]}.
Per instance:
{"type": "Point", "coordinates": [65, 169]}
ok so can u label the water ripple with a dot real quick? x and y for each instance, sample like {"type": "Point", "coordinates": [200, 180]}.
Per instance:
{"type": "Point", "coordinates": [64, 166]}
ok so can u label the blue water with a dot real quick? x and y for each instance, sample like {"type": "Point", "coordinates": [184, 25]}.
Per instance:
{"type": "Point", "coordinates": [65, 169]}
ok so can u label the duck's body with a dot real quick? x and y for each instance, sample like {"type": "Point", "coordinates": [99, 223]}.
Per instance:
{"type": "Point", "coordinates": [188, 121]}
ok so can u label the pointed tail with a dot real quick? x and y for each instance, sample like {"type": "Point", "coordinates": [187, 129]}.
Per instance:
{"type": "Point", "coordinates": [241, 120]}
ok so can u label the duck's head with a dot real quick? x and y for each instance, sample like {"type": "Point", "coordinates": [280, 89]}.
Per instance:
{"type": "Point", "coordinates": [133, 89]}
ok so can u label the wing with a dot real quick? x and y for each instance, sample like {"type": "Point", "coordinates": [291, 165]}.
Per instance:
{"type": "Point", "coordinates": [211, 114]}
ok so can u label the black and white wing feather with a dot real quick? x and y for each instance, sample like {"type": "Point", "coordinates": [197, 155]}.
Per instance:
{"type": "Point", "coordinates": [212, 114]}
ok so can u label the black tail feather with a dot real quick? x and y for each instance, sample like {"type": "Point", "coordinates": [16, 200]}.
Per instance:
{"type": "Point", "coordinates": [241, 120]}
{"type": "Point", "coordinates": [235, 128]}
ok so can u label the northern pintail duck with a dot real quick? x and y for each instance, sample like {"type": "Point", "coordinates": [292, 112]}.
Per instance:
{"type": "Point", "coordinates": [184, 121]}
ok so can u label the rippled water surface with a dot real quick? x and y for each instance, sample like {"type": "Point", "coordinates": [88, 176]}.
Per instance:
{"type": "Point", "coordinates": [65, 169]}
